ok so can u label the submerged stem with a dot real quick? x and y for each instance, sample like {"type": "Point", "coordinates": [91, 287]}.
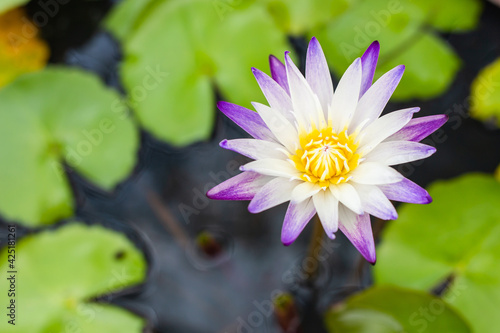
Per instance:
{"type": "Point", "coordinates": [315, 247]}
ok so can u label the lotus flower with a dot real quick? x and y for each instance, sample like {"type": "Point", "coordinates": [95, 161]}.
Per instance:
{"type": "Point", "coordinates": [328, 153]}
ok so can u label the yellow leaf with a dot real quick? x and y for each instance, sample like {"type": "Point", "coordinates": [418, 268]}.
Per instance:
{"type": "Point", "coordinates": [21, 49]}
{"type": "Point", "coordinates": [485, 94]}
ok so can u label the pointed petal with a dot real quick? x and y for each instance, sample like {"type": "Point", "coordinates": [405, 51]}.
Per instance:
{"type": "Point", "coordinates": [382, 128]}
{"type": "Point", "coordinates": [296, 218]}
{"type": "Point", "coordinates": [241, 187]}
{"type": "Point", "coordinates": [347, 195]}
{"type": "Point", "coordinates": [419, 128]}
{"type": "Point", "coordinates": [369, 64]}
{"type": "Point", "coordinates": [398, 152]}
{"type": "Point", "coordinates": [279, 126]}
{"type": "Point", "coordinates": [327, 207]}
{"type": "Point", "coordinates": [304, 191]}
{"type": "Point", "coordinates": [374, 202]}
{"type": "Point", "coordinates": [275, 192]}
{"type": "Point", "coordinates": [277, 97]}
{"type": "Point", "coordinates": [306, 106]}
{"type": "Point", "coordinates": [248, 120]}
{"type": "Point", "coordinates": [371, 173]}
{"type": "Point", "coordinates": [318, 74]}
{"type": "Point", "coordinates": [406, 191]}
{"type": "Point", "coordinates": [272, 167]}
{"type": "Point", "coordinates": [358, 230]}
{"type": "Point", "coordinates": [346, 96]}
{"type": "Point", "coordinates": [373, 102]}
{"type": "Point", "coordinates": [278, 73]}
{"type": "Point", "coordinates": [255, 149]}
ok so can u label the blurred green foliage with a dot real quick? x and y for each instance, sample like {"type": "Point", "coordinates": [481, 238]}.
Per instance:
{"type": "Point", "coordinates": [178, 55]}
{"type": "Point", "coordinates": [394, 310]}
{"type": "Point", "coordinates": [6, 5]}
{"type": "Point", "coordinates": [201, 44]}
{"type": "Point", "coordinates": [297, 18]}
{"type": "Point", "coordinates": [454, 240]}
{"type": "Point", "coordinates": [407, 32]}
{"type": "Point", "coordinates": [195, 45]}
{"type": "Point", "coordinates": [61, 271]}
{"type": "Point", "coordinates": [57, 117]}
{"type": "Point", "coordinates": [485, 94]}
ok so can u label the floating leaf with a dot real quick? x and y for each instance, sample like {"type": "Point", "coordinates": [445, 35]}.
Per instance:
{"type": "Point", "coordinates": [430, 67]}
{"type": "Point", "coordinates": [6, 5]}
{"type": "Point", "coordinates": [394, 310]}
{"type": "Point", "coordinates": [59, 272]}
{"type": "Point", "coordinates": [485, 102]}
{"type": "Point", "coordinates": [401, 29]}
{"type": "Point", "coordinates": [451, 15]}
{"type": "Point", "coordinates": [454, 240]}
{"type": "Point", "coordinates": [21, 50]}
{"type": "Point", "coordinates": [59, 116]}
{"type": "Point", "coordinates": [299, 17]}
{"type": "Point", "coordinates": [189, 46]}
{"type": "Point", "coordinates": [124, 18]}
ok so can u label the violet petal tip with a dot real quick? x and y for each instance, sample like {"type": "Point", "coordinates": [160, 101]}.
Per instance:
{"type": "Point", "coordinates": [210, 194]}
{"type": "Point", "coordinates": [221, 104]}
{"type": "Point", "coordinates": [223, 144]}
{"type": "Point", "coordinates": [428, 199]}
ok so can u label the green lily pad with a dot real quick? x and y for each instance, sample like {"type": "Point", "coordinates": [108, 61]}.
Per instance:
{"type": "Point", "coordinates": [299, 17]}
{"type": "Point", "coordinates": [453, 239]}
{"type": "Point", "coordinates": [53, 117]}
{"type": "Point", "coordinates": [485, 94]}
{"type": "Point", "coordinates": [394, 310]}
{"type": "Point", "coordinates": [59, 272]}
{"type": "Point", "coordinates": [6, 5]}
{"type": "Point", "coordinates": [124, 18]}
{"type": "Point", "coordinates": [401, 28]}
{"type": "Point", "coordinates": [451, 15]}
{"type": "Point", "coordinates": [192, 46]}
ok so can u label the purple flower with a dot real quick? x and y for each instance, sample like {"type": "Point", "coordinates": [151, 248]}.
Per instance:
{"type": "Point", "coordinates": [327, 153]}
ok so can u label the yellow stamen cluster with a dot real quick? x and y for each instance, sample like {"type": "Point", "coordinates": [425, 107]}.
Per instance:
{"type": "Point", "coordinates": [326, 157]}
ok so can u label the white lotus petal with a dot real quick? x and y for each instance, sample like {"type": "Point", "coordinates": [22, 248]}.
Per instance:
{"type": "Point", "coordinates": [272, 167]}
{"type": "Point", "coordinates": [279, 126]}
{"type": "Point", "coordinates": [296, 218]}
{"type": "Point", "coordinates": [327, 207]}
{"type": "Point", "coordinates": [306, 106]}
{"type": "Point", "coordinates": [276, 96]}
{"type": "Point", "coordinates": [382, 128]}
{"type": "Point", "coordinates": [345, 98]}
{"type": "Point", "coordinates": [358, 229]}
{"type": "Point", "coordinates": [398, 152]}
{"type": "Point", "coordinates": [372, 173]}
{"type": "Point", "coordinates": [255, 149]}
{"type": "Point", "coordinates": [373, 102]}
{"type": "Point", "coordinates": [347, 195]}
{"type": "Point", "coordinates": [304, 191]}
{"type": "Point", "coordinates": [374, 202]}
{"type": "Point", "coordinates": [318, 74]}
{"type": "Point", "coordinates": [275, 192]}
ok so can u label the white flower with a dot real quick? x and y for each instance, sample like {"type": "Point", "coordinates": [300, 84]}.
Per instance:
{"type": "Point", "coordinates": [327, 153]}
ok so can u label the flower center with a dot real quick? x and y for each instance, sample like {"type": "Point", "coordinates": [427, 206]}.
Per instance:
{"type": "Point", "coordinates": [326, 157]}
